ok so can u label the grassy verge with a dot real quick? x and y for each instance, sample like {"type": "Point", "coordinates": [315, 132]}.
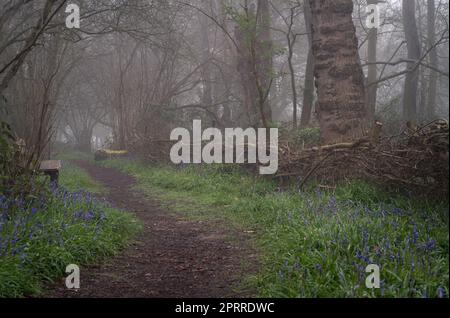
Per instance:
{"type": "Point", "coordinates": [75, 179]}
{"type": "Point", "coordinates": [316, 243]}
{"type": "Point", "coordinates": [40, 236]}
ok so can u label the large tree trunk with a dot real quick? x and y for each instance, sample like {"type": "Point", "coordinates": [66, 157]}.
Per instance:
{"type": "Point", "coordinates": [244, 66]}
{"type": "Point", "coordinates": [338, 71]}
{"type": "Point", "coordinates": [372, 68]}
{"type": "Point", "coordinates": [432, 88]}
{"type": "Point", "coordinates": [84, 140]}
{"type": "Point", "coordinates": [308, 93]}
{"type": "Point", "coordinates": [412, 77]}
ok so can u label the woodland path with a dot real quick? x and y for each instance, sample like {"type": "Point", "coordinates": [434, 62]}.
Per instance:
{"type": "Point", "coordinates": [171, 257]}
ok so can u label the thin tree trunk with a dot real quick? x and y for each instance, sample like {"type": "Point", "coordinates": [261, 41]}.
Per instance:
{"type": "Point", "coordinates": [265, 42]}
{"type": "Point", "coordinates": [413, 45]}
{"type": "Point", "coordinates": [423, 72]}
{"type": "Point", "coordinates": [291, 39]}
{"type": "Point", "coordinates": [14, 65]}
{"type": "Point", "coordinates": [372, 68]}
{"type": "Point", "coordinates": [432, 88]}
{"type": "Point", "coordinates": [308, 93]}
{"type": "Point", "coordinates": [206, 71]}
{"type": "Point", "coordinates": [338, 71]}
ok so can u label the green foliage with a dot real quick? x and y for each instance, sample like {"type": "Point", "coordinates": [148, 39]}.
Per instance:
{"type": "Point", "coordinates": [308, 136]}
{"type": "Point", "coordinates": [315, 243]}
{"type": "Point", "coordinates": [391, 117]}
{"type": "Point", "coordinates": [247, 24]}
{"type": "Point", "coordinates": [250, 31]}
{"type": "Point", "coordinates": [42, 237]}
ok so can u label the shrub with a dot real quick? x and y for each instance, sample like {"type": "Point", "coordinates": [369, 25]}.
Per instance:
{"type": "Point", "coordinates": [308, 137]}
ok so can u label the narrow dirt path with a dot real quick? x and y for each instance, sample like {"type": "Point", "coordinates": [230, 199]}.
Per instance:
{"type": "Point", "coordinates": [172, 257]}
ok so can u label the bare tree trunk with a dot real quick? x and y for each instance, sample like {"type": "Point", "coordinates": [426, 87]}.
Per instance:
{"type": "Point", "coordinates": [14, 65]}
{"type": "Point", "coordinates": [84, 140]}
{"type": "Point", "coordinates": [412, 77]}
{"type": "Point", "coordinates": [308, 93]}
{"type": "Point", "coordinates": [423, 73]}
{"type": "Point", "coordinates": [338, 71]}
{"type": "Point", "coordinates": [372, 68]}
{"type": "Point", "coordinates": [244, 66]}
{"type": "Point", "coordinates": [432, 88]}
{"type": "Point", "coordinates": [291, 39]}
{"type": "Point", "coordinates": [265, 42]}
{"type": "Point", "coordinates": [206, 69]}
{"type": "Point", "coordinates": [227, 74]}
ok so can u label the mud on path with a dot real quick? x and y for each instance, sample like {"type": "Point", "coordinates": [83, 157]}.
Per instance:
{"type": "Point", "coordinates": [171, 257]}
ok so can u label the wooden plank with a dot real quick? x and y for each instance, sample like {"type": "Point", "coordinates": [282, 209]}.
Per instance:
{"type": "Point", "coordinates": [105, 154]}
{"type": "Point", "coordinates": [116, 152]}
{"type": "Point", "coordinates": [50, 165]}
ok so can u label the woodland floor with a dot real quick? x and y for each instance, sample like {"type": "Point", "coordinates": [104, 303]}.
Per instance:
{"type": "Point", "coordinates": [171, 257]}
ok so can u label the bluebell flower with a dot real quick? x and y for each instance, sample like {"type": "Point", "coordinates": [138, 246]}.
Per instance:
{"type": "Point", "coordinates": [397, 211]}
{"type": "Point", "coordinates": [365, 235]}
{"type": "Point", "coordinates": [281, 274]}
{"type": "Point", "coordinates": [430, 245]}
{"type": "Point", "coordinates": [441, 292]}
{"type": "Point", "coordinates": [78, 214]}
{"type": "Point", "coordinates": [23, 257]}
{"type": "Point", "coordinates": [378, 252]}
{"type": "Point", "coordinates": [415, 236]}
{"type": "Point", "coordinates": [318, 193]}
{"type": "Point", "coordinates": [319, 268]}
{"type": "Point", "coordinates": [363, 258]}
{"type": "Point", "coordinates": [89, 216]}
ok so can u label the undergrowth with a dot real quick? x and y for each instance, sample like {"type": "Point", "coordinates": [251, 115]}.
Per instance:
{"type": "Point", "coordinates": [317, 243]}
{"type": "Point", "coordinates": [41, 234]}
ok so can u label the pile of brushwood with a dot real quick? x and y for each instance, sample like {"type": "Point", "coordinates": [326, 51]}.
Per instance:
{"type": "Point", "coordinates": [415, 161]}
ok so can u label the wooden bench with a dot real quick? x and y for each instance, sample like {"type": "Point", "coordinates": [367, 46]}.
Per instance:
{"type": "Point", "coordinates": [51, 168]}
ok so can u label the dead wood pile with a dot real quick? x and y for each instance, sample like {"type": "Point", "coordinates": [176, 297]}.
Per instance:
{"type": "Point", "coordinates": [417, 160]}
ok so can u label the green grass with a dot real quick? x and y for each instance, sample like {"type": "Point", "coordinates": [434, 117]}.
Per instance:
{"type": "Point", "coordinates": [75, 179]}
{"type": "Point", "coordinates": [316, 243]}
{"type": "Point", "coordinates": [40, 236]}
